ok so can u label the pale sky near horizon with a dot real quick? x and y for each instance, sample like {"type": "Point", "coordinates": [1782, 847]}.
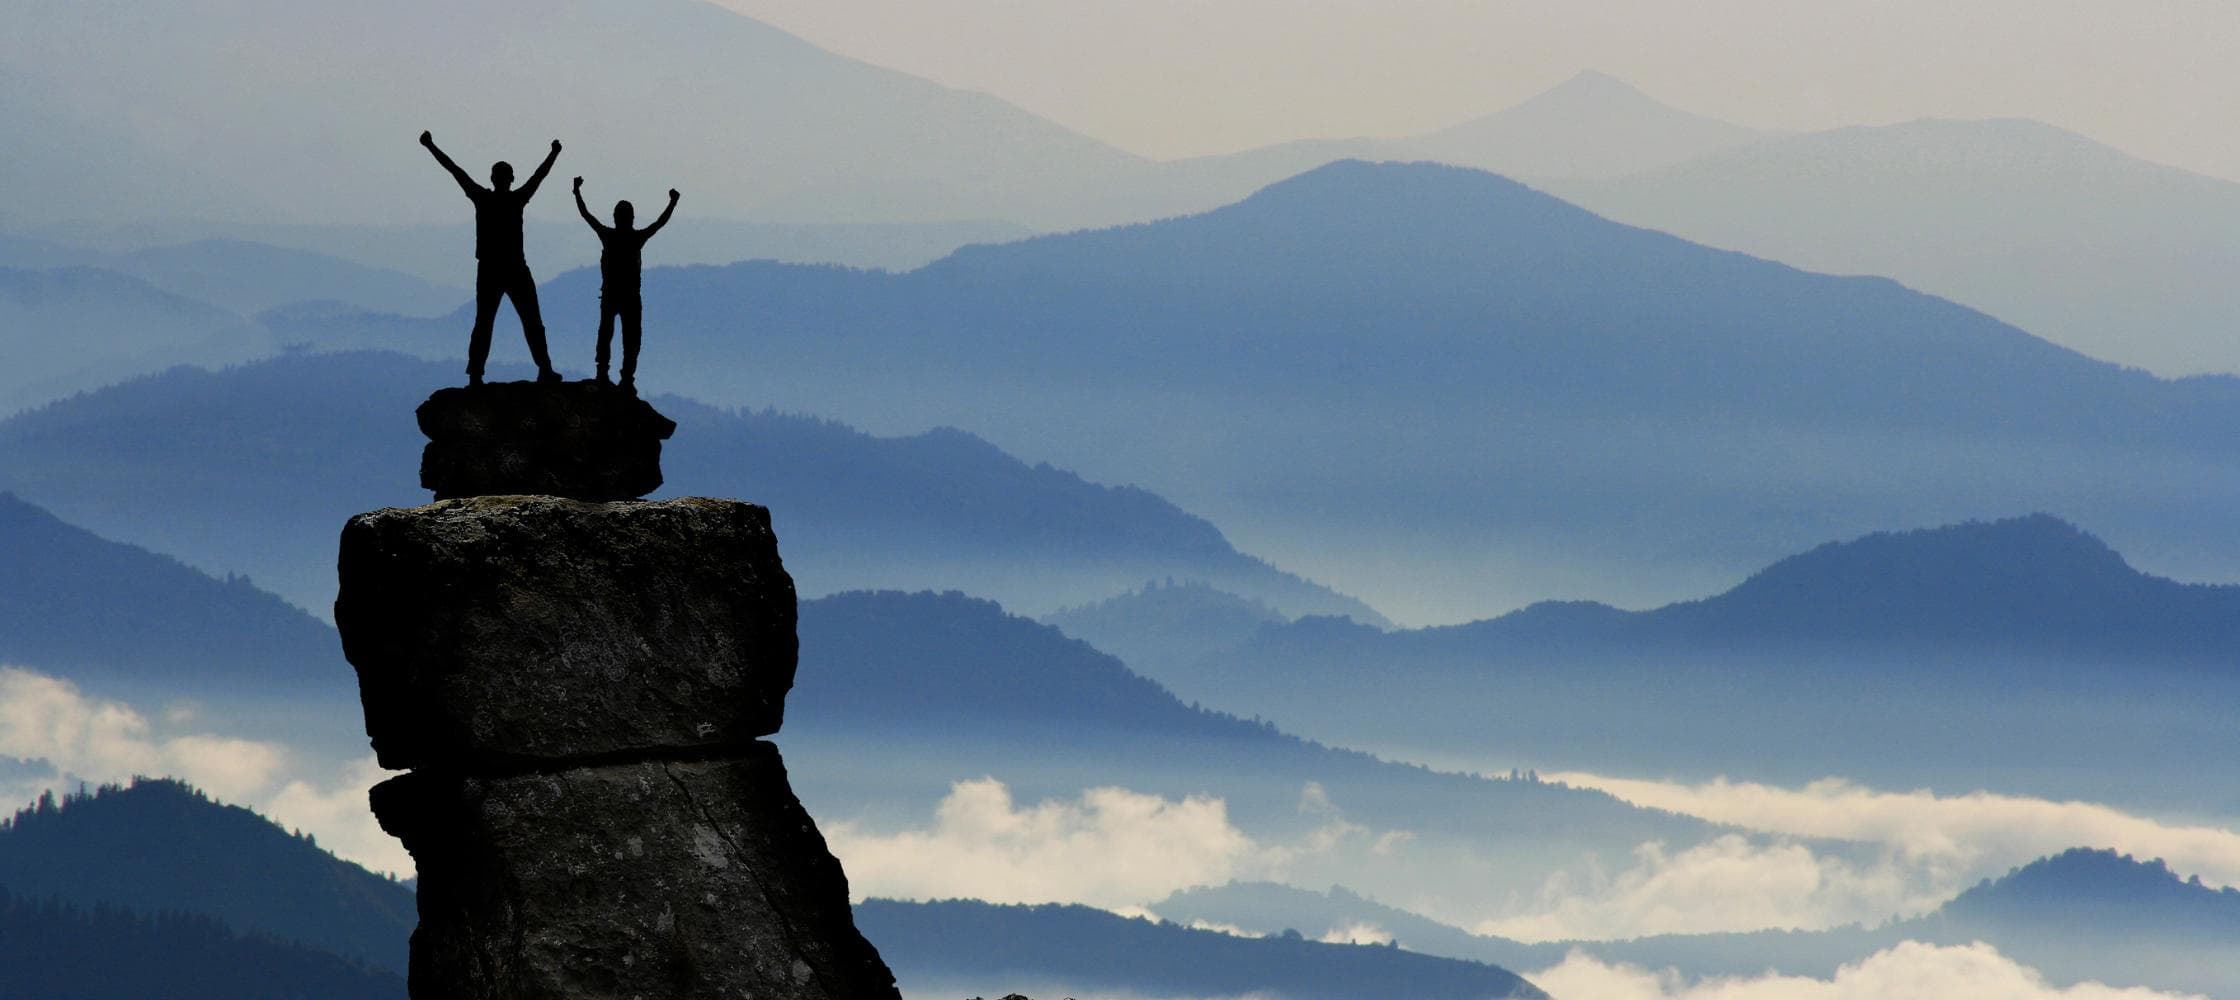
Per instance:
{"type": "Point", "coordinates": [1170, 78]}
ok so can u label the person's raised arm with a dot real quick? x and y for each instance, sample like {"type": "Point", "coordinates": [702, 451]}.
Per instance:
{"type": "Point", "coordinates": [530, 189]}
{"type": "Point", "coordinates": [585, 210]}
{"type": "Point", "coordinates": [664, 219]}
{"type": "Point", "coordinates": [466, 183]}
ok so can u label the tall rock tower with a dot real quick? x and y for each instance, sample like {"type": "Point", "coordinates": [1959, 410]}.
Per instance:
{"type": "Point", "coordinates": [577, 682]}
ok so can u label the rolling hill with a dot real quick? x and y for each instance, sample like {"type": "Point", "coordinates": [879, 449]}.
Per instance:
{"type": "Point", "coordinates": [901, 696]}
{"type": "Point", "coordinates": [2082, 915]}
{"type": "Point", "coordinates": [80, 327]}
{"type": "Point", "coordinates": [1167, 623]}
{"type": "Point", "coordinates": [121, 621]}
{"type": "Point", "coordinates": [2021, 654]}
{"type": "Point", "coordinates": [111, 953]}
{"type": "Point", "coordinates": [254, 469]}
{"type": "Point", "coordinates": [2033, 586]}
{"type": "Point", "coordinates": [1052, 949]}
{"type": "Point", "coordinates": [249, 278]}
{"type": "Point", "coordinates": [159, 845]}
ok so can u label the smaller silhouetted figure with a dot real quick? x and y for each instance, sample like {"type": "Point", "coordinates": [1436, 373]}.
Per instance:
{"type": "Point", "coordinates": [501, 270]}
{"type": "Point", "coordinates": [621, 254]}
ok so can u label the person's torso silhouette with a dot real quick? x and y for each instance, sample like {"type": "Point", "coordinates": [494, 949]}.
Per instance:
{"type": "Point", "coordinates": [497, 224]}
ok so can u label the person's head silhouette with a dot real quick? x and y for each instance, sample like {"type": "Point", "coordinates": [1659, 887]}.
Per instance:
{"type": "Point", "coordinates": [624, 215]}
{"type": "Point", "coordinates": [501, 175]}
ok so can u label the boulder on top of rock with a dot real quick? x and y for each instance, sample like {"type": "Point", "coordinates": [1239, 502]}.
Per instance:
{"type": "Point", "coordinates": [581, 440]}
{"type": "Point", "coordinates": [692, 880]}
{"type": "Point", "coordinates": [504, 632]}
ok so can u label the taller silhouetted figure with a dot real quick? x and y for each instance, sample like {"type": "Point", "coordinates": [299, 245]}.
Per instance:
{"type": "Point", "coordinates": [500, 269]}
{"type": "Point", "coordinates": [621, 253]}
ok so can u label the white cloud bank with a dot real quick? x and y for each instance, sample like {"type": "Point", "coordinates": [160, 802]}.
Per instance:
{"type": "Point", "coordinates": [1111, 848]}
{"type": "Point", "coordinates": [83, 739]}
{"type": "Point", "coordinates": [1908, 971]}
{"type": "Point", "coordinates": [43, 718]}
{"type": "Point", "coordinates": [1979, 831]}
{"type": "Point", "coordinates": [1729, 883]}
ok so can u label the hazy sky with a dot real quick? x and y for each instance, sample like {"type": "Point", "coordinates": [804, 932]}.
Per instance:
{"type": "Point", "coordinates": [1166, 78]}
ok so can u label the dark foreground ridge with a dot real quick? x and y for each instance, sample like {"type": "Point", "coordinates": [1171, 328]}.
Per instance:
{"type": "Point", "coordinates": [580, 440]}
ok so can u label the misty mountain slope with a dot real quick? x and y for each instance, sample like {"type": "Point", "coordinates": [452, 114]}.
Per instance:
{"type": "Point", "coordinates": [240, 276]}
{"type": "Point", "coordinates": [2027, 586]}
{"type": "Point", "coordinates": [1455, 394]}
{"type": "Point", "coordinates": [964, 670]}
{"type": "Point", "coordinates": [55, 951]}
{"type": "Point", "coordinates": [2033, 584]}
{"type": "Point", "coordinates": [250, 278]}
{"type": "Point", "coordinates": [966, 945]}
{"type": "Point", "coordinates": [754, 123]}
{"type": "Point", "coordinates": [2023, 655]}
{"type": "Point", "coordinates": [2084, 890]}
{"type": "Point", "coordinates": [1266, 908]}
{"type": "Point", "coordinates": [901, 696]}
{"type": "Point", "coordinates": [162, 846]}
{"type": "Point", "coordinates": [2095, 914]}
{"type": "Point", "coordinates": [1590, 126]}
{"type": "Point", "coordinates": [2083, 915]}
{"type": "Point", "coordinates": [249, 469]}
{"type": "Point", "coordinates": [944, 509]}
{"type": "Point", "coordinates": [125, 622]}
{"type": "Point", "coordinates": [255, 468]}
{"type": "Point", "coordinates": [1167, 623]}
{"type": "Point", "coordinates": [76, 328]}
{"type": "Point", "coordinates": [2078, 242]}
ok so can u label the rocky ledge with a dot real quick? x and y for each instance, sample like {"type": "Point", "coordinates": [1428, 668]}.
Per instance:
{"type": "Point", "coordinates": [508, 632]}
{"type": "Point", "coordinates": [580, 440]}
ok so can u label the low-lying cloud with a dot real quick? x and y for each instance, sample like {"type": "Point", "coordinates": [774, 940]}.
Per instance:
{"type": "Point", "coordinates": [1730, 883]}
{"type": "Point", "coordinates": [1110, 847]}
{"type": "Point", "coordinates": [81, 739]}
{"type": "Point", "coordinates": [1910, 969]}
{"type": "Point", "coordinates": [44, 718]}
{"type": "Point", "coordinates": [1979, 831]}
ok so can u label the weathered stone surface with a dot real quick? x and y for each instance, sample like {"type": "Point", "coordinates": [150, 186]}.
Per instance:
{"type": "Point", "coordinates": [655, 880]}
{"type": "Point", "coordinates": [582, 440]}
{"type": "Point", "coordinates": [499, 632]}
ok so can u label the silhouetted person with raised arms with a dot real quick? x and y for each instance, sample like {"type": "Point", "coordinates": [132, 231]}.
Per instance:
{"type": "Point", "coordinates": [621, 253]}
{"type": "Point", "coordinates": [500, 269]}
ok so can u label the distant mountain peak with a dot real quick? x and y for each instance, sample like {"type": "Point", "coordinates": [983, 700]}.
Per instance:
{"type": "Point", "coordinates": [1591, 125]}
{"type": "Point", "coordinates": [2028, 551]}
{"type": "Point", "coordinates": [1593, 87]}
{"type": "Point", "coordinates": [2035, 580]}
{"type": "Point", "coordinates": [1401, 193]}
{"type": "Point", "coordinates": [2105, 890]}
